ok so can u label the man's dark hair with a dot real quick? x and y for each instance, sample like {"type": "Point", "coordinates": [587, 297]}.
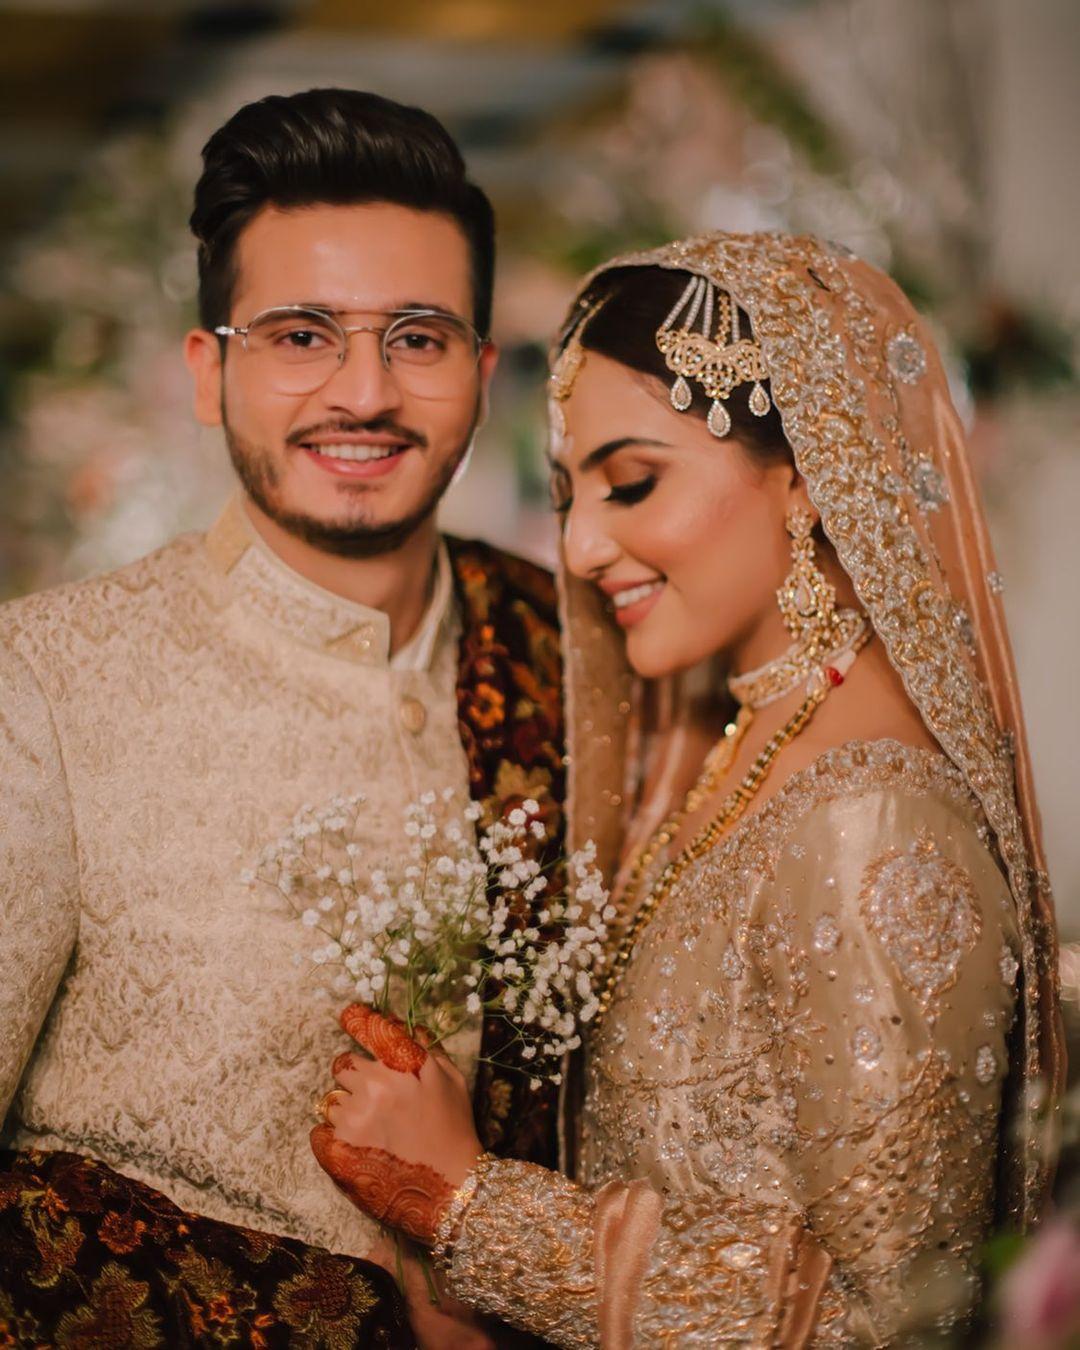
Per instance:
{"type": "Point", "coordinates": [337, 147]}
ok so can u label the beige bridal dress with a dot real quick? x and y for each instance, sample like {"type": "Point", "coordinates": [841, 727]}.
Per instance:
{"type": "Point", "coordinates": [831, 1064]}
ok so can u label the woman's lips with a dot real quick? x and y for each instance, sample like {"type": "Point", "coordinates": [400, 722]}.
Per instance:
{"type": "Point", "coordinates": [350, 460]}
{"type": "Point", "coordinates": [631, 604]}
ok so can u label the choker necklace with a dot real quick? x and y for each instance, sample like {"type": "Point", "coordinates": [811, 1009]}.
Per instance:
{"type": "Point", "coordinates": [803, 664]}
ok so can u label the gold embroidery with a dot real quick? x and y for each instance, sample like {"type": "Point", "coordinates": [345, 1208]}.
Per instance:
{"type": "Point", "coordinates": [525, 1252]}
{"type": "Point", "coordinates": [707, 1283]}
{"type": "Point", "coordinates": [923, 910]}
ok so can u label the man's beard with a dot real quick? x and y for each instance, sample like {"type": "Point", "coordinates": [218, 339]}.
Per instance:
{"type": "Point", "coordinates": [352, 538]}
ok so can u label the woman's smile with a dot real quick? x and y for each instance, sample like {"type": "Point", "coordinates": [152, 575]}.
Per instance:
{"type": "Point", "coordinates": [630, 603]}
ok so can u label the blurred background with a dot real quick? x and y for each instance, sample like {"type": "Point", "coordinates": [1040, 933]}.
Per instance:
{"type": "Point", "coordinates": [934, 137]}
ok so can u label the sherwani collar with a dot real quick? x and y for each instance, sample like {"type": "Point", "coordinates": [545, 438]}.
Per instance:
{"type": "Point", "coordinates": [315, 616]}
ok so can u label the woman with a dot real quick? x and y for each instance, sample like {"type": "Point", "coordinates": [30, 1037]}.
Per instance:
{"type": "Point", "coordinates": [837, 940]}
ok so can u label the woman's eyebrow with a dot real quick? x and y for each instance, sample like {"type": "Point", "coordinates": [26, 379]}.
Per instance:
{"type": "Point", "coordinates": [596, 457]}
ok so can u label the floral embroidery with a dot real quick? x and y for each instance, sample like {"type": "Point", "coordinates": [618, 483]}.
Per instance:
{"type": "Point", "coordinates": [731, 963]}
{"type": "Point", "coordinates": [510, 718]}
{"type": "Point", "coordinates": [90, 1257]}
{"type": "Point", "coordinates": [531, 1257]}
{"type": "Point", "coordinates": [324, 1301]}
{"type": "Point", "coordinates": [485, 708]}
{"type": "Point", "coordinates": [866, 1047]}
{"type": "Point", "coordinates": [905, 357]}
{"type": "Point", "coordinates": [923, 910]}
{"type": "Point", "coordinates": [928, 484]}
{"type": "Point", "coordinates": [121, 1233]}
{"type": "Point", "coordinates": [708, 1279]}
{"type": "Point", "coordinates": [114, 1313]}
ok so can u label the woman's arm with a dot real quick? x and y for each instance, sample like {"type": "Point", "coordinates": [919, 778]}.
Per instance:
{"type": "Point", "coordinates": [620, 1266]}
{"type": "Point", "coordinates": [896, 970]}
{"type": "Point", "coordinates": [578, 1267]}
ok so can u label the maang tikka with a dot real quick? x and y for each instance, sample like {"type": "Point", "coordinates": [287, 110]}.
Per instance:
{"type": "Point", "coordinates": [566, 367]}
{"type": "Point", "coordinates": [708, 347]}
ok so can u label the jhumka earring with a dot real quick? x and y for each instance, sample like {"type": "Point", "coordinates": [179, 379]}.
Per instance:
{"type": "Point", "coordinates": [807, 597]}
{"type": "Point", "coordinates": [824, 639]}
{"type": "Point", "coordinates": [708, 347]}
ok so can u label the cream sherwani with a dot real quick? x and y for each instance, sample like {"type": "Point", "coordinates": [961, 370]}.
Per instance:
{"type": "Point", "coordinates": [158, 727]}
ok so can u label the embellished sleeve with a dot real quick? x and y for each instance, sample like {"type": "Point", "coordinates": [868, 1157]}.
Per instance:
{"type": "Point", "coordinates": [884, 943]}
{"type": "Point", "coordinates": [39, 883]}
{"type": "Point", "coordinates": [612, 1268]}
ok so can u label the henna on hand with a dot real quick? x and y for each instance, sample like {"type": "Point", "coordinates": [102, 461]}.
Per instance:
{"type": "Point", "coordinates": [341, 1063]}
{"type": "Point", "coordinates": [386, 1037]}
{"type": "Point", "coordinates": [409, 1196]}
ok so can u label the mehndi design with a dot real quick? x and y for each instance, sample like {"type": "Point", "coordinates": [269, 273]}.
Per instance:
{"type": "Point", "coordinates": [411, 1197]}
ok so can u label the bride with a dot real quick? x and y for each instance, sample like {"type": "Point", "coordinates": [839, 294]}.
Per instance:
{"type": "Point", "coordinates": [828, 1044]}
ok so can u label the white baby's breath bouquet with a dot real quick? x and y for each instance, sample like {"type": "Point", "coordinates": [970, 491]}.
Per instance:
{"type": "Point", "coordinates": [456, 923]}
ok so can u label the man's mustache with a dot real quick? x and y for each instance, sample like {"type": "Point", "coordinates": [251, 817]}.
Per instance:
{"type": "Point", "coordinates": [378, 426]}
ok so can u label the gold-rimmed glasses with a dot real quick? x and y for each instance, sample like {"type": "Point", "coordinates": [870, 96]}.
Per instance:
{"type": "Point", "coordinates": [299, 347]}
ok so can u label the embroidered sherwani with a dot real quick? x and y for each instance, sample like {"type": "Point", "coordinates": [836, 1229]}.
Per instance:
{"type": "Point", "coordinates": [158, 727]}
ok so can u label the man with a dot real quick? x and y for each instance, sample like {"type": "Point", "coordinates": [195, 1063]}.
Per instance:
{"type": "Point", "coordinates": [161, 725]}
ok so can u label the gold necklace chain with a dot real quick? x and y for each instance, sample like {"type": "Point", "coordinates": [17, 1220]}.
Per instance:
{"type": "Point", "coordinates": [731, 808]}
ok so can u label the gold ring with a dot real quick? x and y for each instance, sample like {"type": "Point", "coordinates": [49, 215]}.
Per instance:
{"type": "Point", "coordinates": [325, 1102]}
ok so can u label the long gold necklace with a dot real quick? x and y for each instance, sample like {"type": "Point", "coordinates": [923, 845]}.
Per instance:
{"type": "Point", "coordinates": [731, 808]}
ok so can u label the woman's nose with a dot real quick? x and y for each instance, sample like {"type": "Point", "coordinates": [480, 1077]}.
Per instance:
{"type": "Point", "coordinates": [588, 548]}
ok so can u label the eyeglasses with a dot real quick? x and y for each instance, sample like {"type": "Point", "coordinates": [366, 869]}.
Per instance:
{"type": "Point", "coordinates": [430, 354]}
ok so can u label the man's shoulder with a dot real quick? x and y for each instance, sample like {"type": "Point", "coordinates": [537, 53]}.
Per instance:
{"type": "Point", "coordinates": [106, 603]}
{"type": "Point", "coordinates": [504, 575]}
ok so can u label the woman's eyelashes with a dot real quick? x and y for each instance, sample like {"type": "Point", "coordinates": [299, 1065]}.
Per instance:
{"type": "Point", "coordinates": [622, 494]}
{"type": "Point", "coordinates": [626, 494]}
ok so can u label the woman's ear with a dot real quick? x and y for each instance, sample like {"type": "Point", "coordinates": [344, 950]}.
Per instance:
{"type": "Point", "coordinates": [202, 352]}
{"type": "Point", "coordinates": [798, 498]}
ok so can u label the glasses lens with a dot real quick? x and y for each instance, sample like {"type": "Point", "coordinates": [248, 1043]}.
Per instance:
{"type": "Point", "coordinates": [431, 355]}
{"type": "Point", "coordinates": [301, 347]}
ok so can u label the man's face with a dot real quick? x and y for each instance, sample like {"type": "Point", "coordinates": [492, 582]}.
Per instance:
{"type": "Point", "coordinates": [297, 454]}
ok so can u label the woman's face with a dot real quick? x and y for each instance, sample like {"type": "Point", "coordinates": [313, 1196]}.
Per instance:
{"type": "Point", "coordinates": [683, 532]}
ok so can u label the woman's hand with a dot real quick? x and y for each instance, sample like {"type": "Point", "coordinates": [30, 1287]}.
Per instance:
{"type": "Point", "coordinates": [399, 1136]}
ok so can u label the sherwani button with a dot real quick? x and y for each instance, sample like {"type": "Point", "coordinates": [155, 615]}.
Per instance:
{"type": "Point", "coordinates": [413, 715]}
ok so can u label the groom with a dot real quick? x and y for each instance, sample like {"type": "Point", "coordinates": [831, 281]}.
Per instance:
{"type": "Point", "coordinates": [162, 725]}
